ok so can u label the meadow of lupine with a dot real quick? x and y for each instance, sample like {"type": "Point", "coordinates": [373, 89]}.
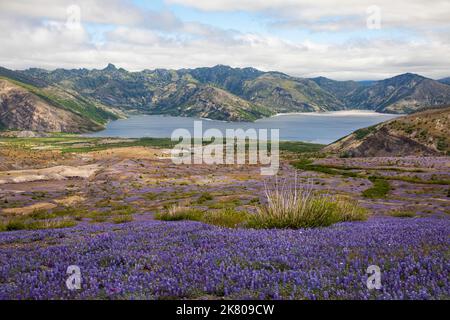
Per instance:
{"type": "Point", "coordinates": [104, 221]}
{"type": "Point", "coordinates": [161, 260]}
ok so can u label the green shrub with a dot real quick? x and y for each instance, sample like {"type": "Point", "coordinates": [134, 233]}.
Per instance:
{"type": "Point", "coordinates": [402, 214]}
{"type": "Point", "coordinates": [362, 133]}
{"type": "Point", "coordinates": [224, 204]}
{"type": "Point", "coordinates": [122, 219]}
{"type": "Point", "coordinates": [115, 210]}
{"type": "Point", "coordinates": [69, 211]}
{"type": "Point", "coordinates": [42, 214]}
{"type": "Point", "coordinates": [25, 223]}
{"type": "Point", "coordinates": [99, 218]}
{"type": "Point", "coordinates": [96, 214]}
{"type": "Point", "coordinates": [380, 188]}
{"type": "Point", "coordinates": [206, 196]}
{"type": "Point", "coordinates": [15, 224]}
{"type": "Point", "coordinates": [177, 212]}
{"type": "Point", "coordinates": [307, 165]}
{"type": "Point", "coordinates": [228, 217]}
{"type": "Point", "coordinates": [441, 144]}
{"type": "Point", "coordinates": [36, 195]}
{"type": "Point", "coordinates": [300, 147]}
{"type": "Point", "coordinates": [122, 210]}
{"type": "Point", "coordinates": [150, 196]}
{"type": "Point", "coordinates": [52, 224]}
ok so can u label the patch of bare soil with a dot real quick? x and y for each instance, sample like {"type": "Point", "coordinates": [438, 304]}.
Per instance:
{"type": "Point", "coordinates": [52, 173]}
{"type": "Point", "coordinates": [126, 153]}
{"type": "Point", "coordinates": [29, 209]}
{"type": "Point", "coordinates": [70, 201]}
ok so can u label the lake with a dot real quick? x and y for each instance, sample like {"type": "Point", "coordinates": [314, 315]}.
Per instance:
{"type": "Point", "coordinates": [315, 127]}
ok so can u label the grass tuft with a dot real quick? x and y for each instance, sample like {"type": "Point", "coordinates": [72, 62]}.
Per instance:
{"type": "Point", "coordinates": [296, 206]}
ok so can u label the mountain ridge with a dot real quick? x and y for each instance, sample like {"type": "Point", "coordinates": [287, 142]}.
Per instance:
{"type": "Point", "coordinates": [232, 94]}
{"type": "Point", "coordinates": [20, 109]}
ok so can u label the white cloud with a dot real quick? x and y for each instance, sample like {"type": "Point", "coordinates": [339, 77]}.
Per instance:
{"type": "Point", "coordinates": [40, 38]}
{"type": "Point", "coordinates": [322, 14]}
{"type": "Point", "coordinates": [116, 12]}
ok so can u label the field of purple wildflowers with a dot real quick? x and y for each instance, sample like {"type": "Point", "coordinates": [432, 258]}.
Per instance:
{"type": "Point", "coordinates": [124, 253]}
{"type": "Point", "coordinates": [167, 260]}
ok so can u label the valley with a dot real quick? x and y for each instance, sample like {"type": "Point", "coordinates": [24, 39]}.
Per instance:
{"type": "Point", "coordinates": [94, 97]}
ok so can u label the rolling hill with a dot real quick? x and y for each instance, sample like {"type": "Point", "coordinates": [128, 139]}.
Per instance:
{"type": "Point", "coordinates": [420, 134]}
{"type": "Point", "coordinates": [33, 104]}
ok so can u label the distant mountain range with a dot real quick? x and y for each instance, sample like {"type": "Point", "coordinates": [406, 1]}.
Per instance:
{"type": "Point", "coordinates": [84, 100]}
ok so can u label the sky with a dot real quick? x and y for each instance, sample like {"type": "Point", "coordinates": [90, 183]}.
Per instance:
{"type": "Point", "coordinates": [342, 40]}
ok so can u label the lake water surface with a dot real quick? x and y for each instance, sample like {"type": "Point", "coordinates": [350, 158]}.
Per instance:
{"type": "Point", "coordinates": [313, 127]}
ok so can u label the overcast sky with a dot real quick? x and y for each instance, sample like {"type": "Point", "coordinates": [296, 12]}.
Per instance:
{"type": "Point", "coordinates": [345, 39]}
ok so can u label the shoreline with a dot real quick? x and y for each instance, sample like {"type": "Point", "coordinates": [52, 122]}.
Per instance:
{"type": "Point", "coordinates": [352, 112]}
